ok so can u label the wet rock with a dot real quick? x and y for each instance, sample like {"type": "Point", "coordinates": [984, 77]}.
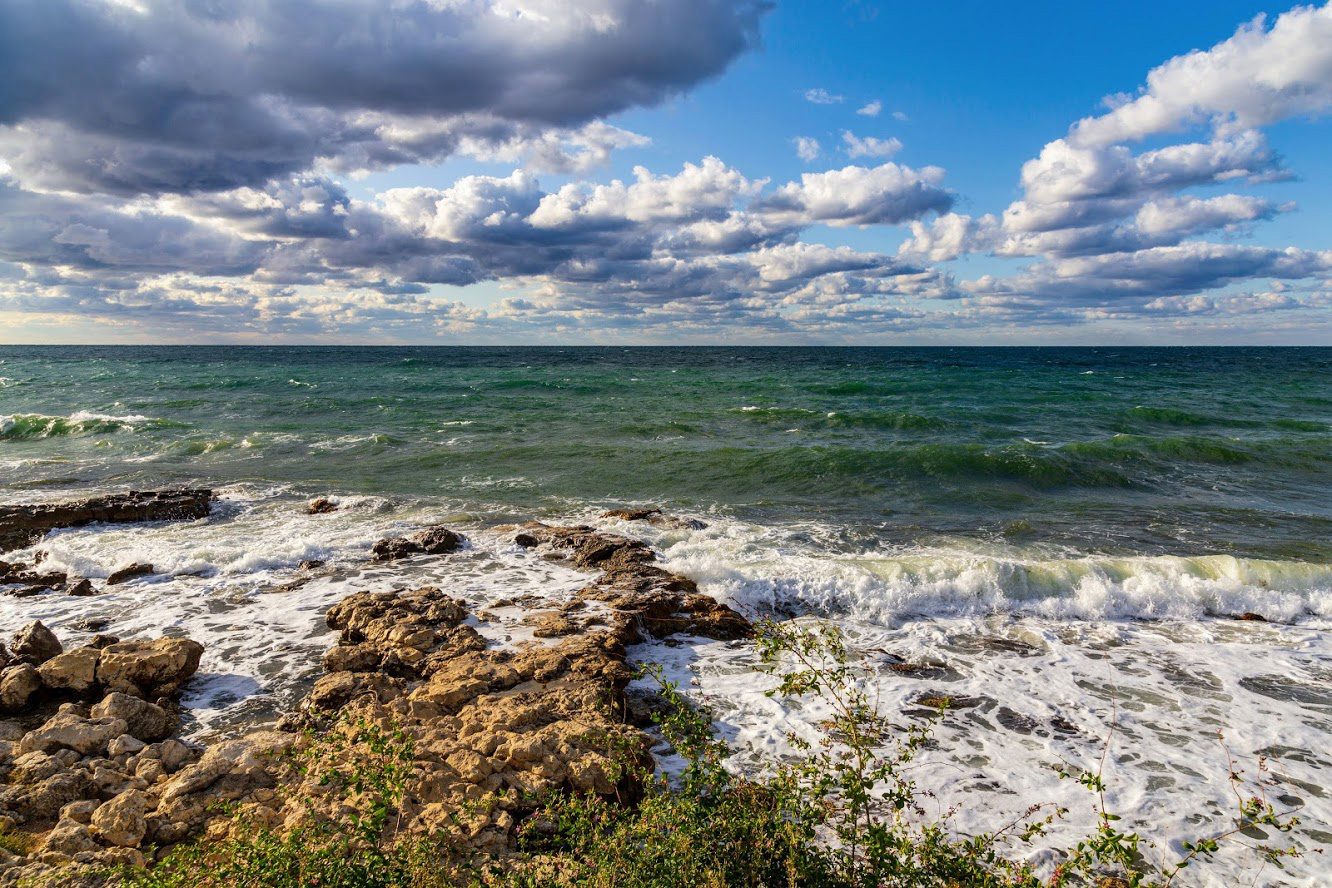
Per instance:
{"type": "Point", "coordinates": [144, 720]}
{"type": "Point", "coordinates": [553, 625]}
{"type": "Point", "coordinates": [156, 667]}
{"type": "Point", "coordinates": [311, 564]}
{"type": "Point", "coordinates": [17, 684]}
{"type": "Point", "coordinates": [82, 588]}
{"type": "Point", "coordinates": [432, 541]}
{"type": "Point", "coordinates": [655, 517]}
{"type": "Point", "coordinates": [23, 525]}
{"type": "Point", "coordinates": [1252, 617]}
{"type": "Point", "coordinates": [121, 821]}
{"type": "Point", "coordinates": [74, 671]}
{"type": "Point", "coordinates": [35, 644]}
{"type": "Point", "coordinates": [631, 514]}
{"type": "Point", "coordinates": [128, 573]}
{"type": "Point", "coordinates": [320, 506]}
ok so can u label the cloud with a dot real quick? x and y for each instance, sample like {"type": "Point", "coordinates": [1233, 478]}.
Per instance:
{"type": "Point", "coordinates": [1110, 224]}
{"type": "Point", "coordinates": [168, 96]}
{"type": "Point", "coordinates": [703, 242]}
{"type": "Point", "coordinates": [807, 148]}
{"type": "Point", "coordinates": [900, 116]}
{"type": "Point", "coordinates": [1257, 77]}
{"type": "Point", "coordinates": [856, 195]}
{"type": "Point", "coordinates": [870, 109]}
{"type": "Point", "coordinates": [821, 96]}
{"type": "Point", "coordinates": [869, 146]}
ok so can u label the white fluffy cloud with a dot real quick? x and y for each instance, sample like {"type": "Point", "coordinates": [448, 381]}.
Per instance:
{"type": "Point", "coordinates": [869, 146]}
{"type": "Point", "coordinates": [1111, 225]}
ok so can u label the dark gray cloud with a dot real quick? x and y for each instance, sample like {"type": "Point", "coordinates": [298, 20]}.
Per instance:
{"type": "Point", "coordinates": [168, 96]}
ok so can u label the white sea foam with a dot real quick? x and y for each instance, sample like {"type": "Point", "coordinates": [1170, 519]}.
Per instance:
{"type": "Point", "coordinates": [1036, 697]}
{"type": "Point", "coordinates": [1039, 643]}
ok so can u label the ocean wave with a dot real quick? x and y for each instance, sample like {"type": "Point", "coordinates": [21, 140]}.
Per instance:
{"type": "Point", "coordinates": [25, 426]}
{"type": "Point", "coordinates": [888, 589]}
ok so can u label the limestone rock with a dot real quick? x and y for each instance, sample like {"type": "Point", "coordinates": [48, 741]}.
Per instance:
{"type": "Point", "coordinates": [82, 588]}
{"type": "Point", "coordinates": [143, 667]}
{"type": "Point", "coordinates": [69, 837]}
{"type": "Point", "coordinates": [74, 670]}
{"type": "Point", "coordinates": [146, 721]}
{"type": "Point", "coordinates": [17, 684]}
{"type": "Point", "coordinates": [35, 644]}
{"type": "Point", "coordinates": [66, 730]}
{"type": "Point", "coordinates": [121, 821]}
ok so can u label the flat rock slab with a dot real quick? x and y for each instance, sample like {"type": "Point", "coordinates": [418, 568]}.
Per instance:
{"type": "Point", "coordinates": [22, 525]}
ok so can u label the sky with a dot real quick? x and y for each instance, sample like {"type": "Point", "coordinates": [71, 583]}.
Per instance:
{"type": "Point", "coordinates": [665, 172]}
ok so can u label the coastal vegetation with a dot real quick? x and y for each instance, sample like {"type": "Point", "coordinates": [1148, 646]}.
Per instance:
{"type": "Point", "coordinates": [845, 813]}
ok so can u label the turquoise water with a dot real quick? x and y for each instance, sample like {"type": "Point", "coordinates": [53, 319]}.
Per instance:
{"type": "Point", "coordinates": [1125, 451]}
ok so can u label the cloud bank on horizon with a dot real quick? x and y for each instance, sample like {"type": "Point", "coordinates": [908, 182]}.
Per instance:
{"type": "Point", "coordinates": [186, 169]}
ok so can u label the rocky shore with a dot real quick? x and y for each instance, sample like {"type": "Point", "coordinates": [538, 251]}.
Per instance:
{"type": "Point", "coordinates": [92, 776]}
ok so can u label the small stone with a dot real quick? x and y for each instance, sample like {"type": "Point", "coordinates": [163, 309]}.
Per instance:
{"type": "Point", "coordinates": [174, 755]}
{"type": "Point", "coordinates": [128, 573]}
{"type": "Point", "coordinates": [80, 811]}
{"type": "Point", "coordinates": [125, 744]}
{"type": "Point", "coordinates": [311, 564]}
{"type": "Point", "coordinates": [82, 588]}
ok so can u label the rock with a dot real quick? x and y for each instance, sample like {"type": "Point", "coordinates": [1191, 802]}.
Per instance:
{"type": "Point", "coordinates": [631, 514]}
{"type": "Point", "coordinates": [321, 506]}
{"type": "Point", "coordinates": [17, 684]}
{"type": "Point", "coordinates": [433, 541]}
{"type": "Point", "coordinates": [44, 799]}
{"type": "Point", "coordinates": [125, 744]}
{"type": "Point", "coordinates": [140, 668]}
{"type": "Point", "coordinates": [128, 573]}
{"type": "Point", "coordinates": [174, 755]}
{"type": "Point", "coordinates": [311, 564]}
{"type": "Point", "coordinates": [80, 811]}
{"type": "Point", "coordinates": [74, 670]}
{"type": "Point", "coordinates": [68, 731]}
{"type": "Point", "coordinates": [82, 588]}
{"type": "Point", "coordinates": [35, 644]}
{"type": "Point", "coordinates": [69, 837]}
{"type": "Point", "coordinates": [32, 767]}
{"type": "Point", "coordinates": [1252, 617]}
{"type": "Point", "coordinates": [121, 821]}
{"type": "Point", "coordinates": [23, 525]}
{"type": "Point", "coordinates": [245, 755]}
{"type": "Point", "coordinates": [145, 721]}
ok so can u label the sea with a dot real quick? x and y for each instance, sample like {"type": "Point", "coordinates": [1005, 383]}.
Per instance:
{"type": "Point", "coordinates": [1058, 540]}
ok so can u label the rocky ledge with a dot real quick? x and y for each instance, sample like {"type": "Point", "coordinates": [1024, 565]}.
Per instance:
{"type": "Point", "coordinates": [26, 524]}
{"type": "Point", "coordinates": [492, 730]}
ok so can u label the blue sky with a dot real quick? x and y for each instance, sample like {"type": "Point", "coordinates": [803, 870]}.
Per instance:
{"type": "Point", "coordinates": [535, 171]}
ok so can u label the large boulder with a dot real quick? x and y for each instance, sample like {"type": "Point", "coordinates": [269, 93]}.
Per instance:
{"type": "Point", "coordinates": [146, 721]}
{"type": "Point", "coordinates": [141, 668]}
{"type": "Point", "coordinates": [74, 670]}
{"type": "Point", "coordinates": [121, 821]}
{"type": "Point", "coordinates": [35, 644]}
{"type": "Point", "coordinates": [67, 730]}
{"type": "Point", "coordinates": [17, 684]}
